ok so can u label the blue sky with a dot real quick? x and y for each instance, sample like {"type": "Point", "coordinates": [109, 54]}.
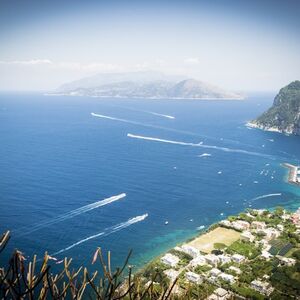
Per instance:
{"type": "Point", "coordinates": [239, 45]}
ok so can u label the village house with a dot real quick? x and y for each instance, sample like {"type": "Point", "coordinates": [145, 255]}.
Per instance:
{"type": "Point", "coordinates": [295, 217]}
{"type": "Point", "coordinates": [269, 233]}
{"type": "Point", "coordinates": [193, 277]}
{"type": "Point", "coordinates": [266, 255]}
{"type": "Point", "coordinates": [212, 259]}
{"type": "Point", "coordinates": [171, 274]}
{"type": "Point", "coordinates": [262, 287]}
{"type": "Point", "coordinates": [286, 261]}
{"type": "Point", "coordinates": [220, 294]}
{"type": "Point", "coordinates": [240, 225]}
{"type": "Point", "coordinates": [227, 277]}
{"type": "Point", "coordinates": [238, 258]}
{"type": "Point", "coordinates": [193, 252]}
{"type": "Point", "coordinates": [198, 261]}
{"type": "Point", "coordinates": [225, 223]}
{"type": "Point", "coordinates": [224, 259]}
{"type": "Point", "coordinates": [247, 236]}
{"type": "Point", "coordinates": [215, 272]}
{"type": "Point", "coordinates": [170, 260]}
{"type": "Point", "coordinates": [258, 225]}
{"type": "Point", "coordinates": [280, 227]}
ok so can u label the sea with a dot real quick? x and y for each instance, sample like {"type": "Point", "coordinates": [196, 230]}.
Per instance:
{"type": "Point", "coordinates": [77, 173]}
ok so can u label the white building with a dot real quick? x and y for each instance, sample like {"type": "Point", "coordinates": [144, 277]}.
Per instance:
{"type": "Point", "coordinates": [193, 277]}
{"type": "Point", "coordinates": [269, 233]}
{"type": "Point", "coordinates": [215, 272]}
{"type": "Point", "coordinates": [212, 259]}
{"type": "Point", "coordinates": [192, 251]}
{"type": "Point", "coordinates": [225, 223]}
{"type": "Point", "coordinates": [224, 259]}
{"type": "Point", "coordinates": [286, 261]}
{"type": "Point", "coordinates": [266, 255]}
{"type": "Point", "coordinates": [240, 225]}
{"type": "Point", "coordinates": [258, 225]}
{"type": "Point", "coordinates": [198, 261]}
{"type": "Point", "coordinates": [247, 236]}
{"type": "Point", "coordinates": [219, 294]}
{"type": "Point", "coordinates": [170, 260]}
{"type": "Point", "coordinates": [280, 227]}
{"type": "Point", "coordinates": [262, 287]}
{"type": "Point", "coordinates": [227, 277]}
{"type": "Point", "coordinates": [171, 274]}
{"type": "Point", "coordinates": [238, 258]}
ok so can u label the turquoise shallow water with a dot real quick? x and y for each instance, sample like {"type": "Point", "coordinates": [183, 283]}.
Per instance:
{"type": "Point", "coordinates": [56, 157]}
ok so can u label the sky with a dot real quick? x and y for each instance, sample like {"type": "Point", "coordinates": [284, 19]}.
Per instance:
{"type": "Point", "coordinates": [238, 45]}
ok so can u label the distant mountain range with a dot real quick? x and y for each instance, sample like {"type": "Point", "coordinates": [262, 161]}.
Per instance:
{"type": "Point", "coordinates": [147, 85]}
{"type": "Point", "coordinates": [284, 115]}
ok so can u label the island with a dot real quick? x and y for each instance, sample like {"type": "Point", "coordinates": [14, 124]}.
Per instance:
{"type": "Point", "coordinates": [144, 85]}
{"type": "Point", "coordinates": [254, 255]}
{"type": "Point", "coordinates": [284, 115]}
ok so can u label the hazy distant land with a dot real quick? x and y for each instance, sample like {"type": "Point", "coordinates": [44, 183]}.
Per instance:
{"type": "Point", "coordinates": [145, 85]}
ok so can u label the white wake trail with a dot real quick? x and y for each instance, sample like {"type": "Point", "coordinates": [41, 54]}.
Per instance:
{"type": "Point", "coordinates": [74, 213]}
{"type": "Point", "coordinates": [266, 196]}
{"type": "Point", "coordinates": [105, 232]}
{"type": "Point", "coordinates": [198, 145]}
{"type": "Point", "coordinates": [158, 127]}
{"type": "Point", "coordinates": [160, 115]}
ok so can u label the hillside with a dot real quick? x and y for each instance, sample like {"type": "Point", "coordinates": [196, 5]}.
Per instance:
{"type": "Point", "coordinates": [147, 85]}
{"type": "Point", "coordinates": [284, 115]}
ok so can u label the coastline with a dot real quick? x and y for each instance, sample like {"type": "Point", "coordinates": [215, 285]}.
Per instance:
{"type": "Point", "coordinates": [212, 263]}
{"type": "Point", "coordinates": [293, 177]}
{"type": "Point", "coordinates": [254, 125]}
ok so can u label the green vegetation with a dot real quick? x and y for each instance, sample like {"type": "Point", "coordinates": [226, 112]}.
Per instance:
{"type": "Point", "coordinates": [243, 248]}
{"type": "Point", "coordinates": [202, 269]}
{"type": "Point", "coordinates": [287, 279]}
{"type": "Point", "coordinates": [247, 292]}
{"type": "Point", "coordinates": [284, 114]}
{"type": "Point", "coordinates": [219, 246]}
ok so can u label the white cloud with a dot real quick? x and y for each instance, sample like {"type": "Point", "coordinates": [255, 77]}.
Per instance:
{"type": "Point", "coordinates": [27, 62]}
{"type": "Point", "coordinates": [192, 61]}
{"type": "Point", "coordinates": [72, 66]}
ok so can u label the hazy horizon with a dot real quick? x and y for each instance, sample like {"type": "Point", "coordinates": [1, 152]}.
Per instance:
{"type": "Point", "coordinates": [240, 46]}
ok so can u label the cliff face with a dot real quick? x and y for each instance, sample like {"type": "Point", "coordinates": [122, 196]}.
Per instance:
{"type": "Point", "coordinates": [284, 115]}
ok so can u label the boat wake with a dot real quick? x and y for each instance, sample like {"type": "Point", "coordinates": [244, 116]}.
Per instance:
{"type": "Point", "coordinates": [72, 213]}
{"type": "Point", "coordinates": [199, 145]}
{"type": "Point", "coordinates": [105, 232]}
{"type": "Point", "coordinates": [162, 128]}
{"type": "Point", "coordinates": [204, 155]}
{"type": "Point", "coordinates": [159, 115]}
{"type": "Point", "coordinates": [266, 196]}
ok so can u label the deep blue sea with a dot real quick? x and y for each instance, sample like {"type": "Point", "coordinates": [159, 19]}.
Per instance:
{"type": "Point", "coordinates": [56, 158]}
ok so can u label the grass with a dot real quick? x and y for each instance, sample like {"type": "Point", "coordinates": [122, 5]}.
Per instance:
{"type": "Point", "coordinates": [246, 249]}
{"type": "Point", "coordinates": [206, 242]}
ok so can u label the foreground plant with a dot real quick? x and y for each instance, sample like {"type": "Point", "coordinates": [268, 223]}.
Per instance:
{"type": "Point", "coordinates": [23, 279]}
